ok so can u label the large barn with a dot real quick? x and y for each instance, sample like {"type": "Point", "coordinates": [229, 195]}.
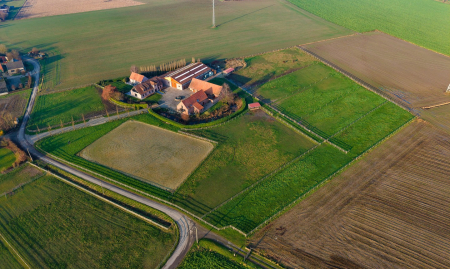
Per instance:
{"type": "Point", "coordinates": [181, 78]}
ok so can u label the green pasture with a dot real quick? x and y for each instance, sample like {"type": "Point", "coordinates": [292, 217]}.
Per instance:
{"type": "Point", "coordinates": [263, 67]}
{"type": "Point", "coordinates": [7, 258]}
{"type": "Point", "coordinates": [422, 22]}
{"type": "Point", "coordinates": [119, 38]}
{"type": "Point", "coordinates": [249, 148]}
{"type": "Point", "coordinates": [62, 106]}
{"type": "Point", "coordinates": [207, 254]}
{"type": "Point", "coordinates": [66, 227]}
{"type": "Point", "coordinates": [7, 158]}
{"type": "Point", "coordinates": [20, 175]}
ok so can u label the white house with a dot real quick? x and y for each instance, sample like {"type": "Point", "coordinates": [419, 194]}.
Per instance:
{"type": "Point", "coordinates": [147, 88]}
{"type": "Point", "coordinates": [136, 78]}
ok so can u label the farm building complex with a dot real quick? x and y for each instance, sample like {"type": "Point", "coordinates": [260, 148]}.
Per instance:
{"type": "Point", "coordinates": [204, 93]}
{"type": "Point", "coordinates": [147, 88]}
{"type": "Point", "coordinates": [181, 78]}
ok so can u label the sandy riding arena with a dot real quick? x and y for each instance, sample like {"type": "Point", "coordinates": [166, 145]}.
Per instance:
{"type": "Point", "coordinates": [389, 210]}
{"type": "Point", "coordinates": [417, 76]}
{"type": "Point", "coordinates": [148, 153]}
{"type": "Point", "coordinates": [44, 8]}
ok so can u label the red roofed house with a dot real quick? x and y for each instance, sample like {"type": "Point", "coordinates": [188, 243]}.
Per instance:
{"type": "Point", "coordinates": [147, 88]}
{"type": "Point", "coordinates": [212, 90]}
{"type": "Point", "coordinates": [228, 71]}
{"type": "Point", "coordinates": [181, 78]}
{"type": "Point", "coordinates": [194, 104]}
{"type": "Point", "coordinates": [254, 106]}
{"type": "Point", "coordinates": [136, 78]}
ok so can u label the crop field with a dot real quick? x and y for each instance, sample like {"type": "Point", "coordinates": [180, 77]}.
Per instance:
{"type": "Point", "coordinates": [264, 67]}
{"type": "Point", "coordinates": [406, 19]}
{"type": "Point", "coordinates": [386, 63]}
{"type": "Point", "coordinates": [258, 26]}
{"type": "Point", "coordinates": [208, 254]}
{"type": "Point", "coordinates": [390, 210]}
{"type": "Point", "coordinates": [65, 226]}
{"type": "Point", "coordinates": [7, 158]}
{"type": "Point", "coordinates": [12, 106]}
{"type": "Point", "coordinates": [17, 177]}
{"type": "Point", "coordinates": [7, 258]}
{"type": "Point", "coordinates": [249, 148]}
{"type": "Point", "coordinates": [52, 109]}
{"type": "Point", "coordinates": [39, 8]}
{"type": "Point", "coordinates": [149, 153]}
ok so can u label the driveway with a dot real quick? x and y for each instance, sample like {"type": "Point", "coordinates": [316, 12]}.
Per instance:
{"type": "Point", "coordinates": [168, 99]}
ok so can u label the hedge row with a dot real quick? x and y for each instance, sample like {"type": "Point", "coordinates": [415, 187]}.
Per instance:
{"type": "Point", "coordinates": [125, 105]}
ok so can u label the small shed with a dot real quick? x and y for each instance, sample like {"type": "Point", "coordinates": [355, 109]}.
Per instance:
{"type": "Point", "coordinates": [254, 106]}
{"type": "Point", "coordinates": [228, 71]}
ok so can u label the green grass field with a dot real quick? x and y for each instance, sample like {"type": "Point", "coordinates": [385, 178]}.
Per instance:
{"type": "Point", "coordinates": [62, 106]}
{"type": "Point", "coordinates": [266, 66]}
{"type": "Point", "coordinates": [249, 148]}
{"type": "Point", "coordinates": [20, 175]}
{"type": "Point", "coordinates": [208, 254]}
{"type": "Point", "coordinates": [423, 22]}
{"type": "Point", "coordinates": [66, 227]}
{"type": "Point", "coordinates": [80, 55]}
{"type": "Point", "coordinates": [7, 158]}
{"type": "Point", "coordinates": [7, 258]}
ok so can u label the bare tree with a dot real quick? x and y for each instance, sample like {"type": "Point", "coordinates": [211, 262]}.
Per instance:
{"type": "Point", "coordinates": [9, 55]}
{"type": "Point", "coordinates": [134, 69]}
{"type": "Point", "coordinates": [3, 16]}
{"type": "Point", "coordinates": [193, 60]}
{"type": "Point", "coordinates": [29, 81]}
{"type": "Point", "coordinates": [226, 94]}
{"type": "Point", "coordinates": [3, 49]}
{"type": "Point", "coordinates": [34, 51]}
{"type": "Point", "coordinates": [15, 54]}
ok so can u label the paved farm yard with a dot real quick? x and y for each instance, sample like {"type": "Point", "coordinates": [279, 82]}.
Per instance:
{"type": "Point", "coordinates": [149, 153]}
{"type": "Point", "coordinates": [44, 8]}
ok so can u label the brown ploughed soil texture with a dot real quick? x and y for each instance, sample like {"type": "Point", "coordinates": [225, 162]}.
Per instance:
{"type": "Point", "coordinates": [389, 210]}
{"type": "Point", "coordinates": [44, 8]}
{"type": "Point", "coordinates": [417, 76]}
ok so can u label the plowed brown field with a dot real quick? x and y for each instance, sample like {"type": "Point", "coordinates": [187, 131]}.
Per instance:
{"type": "Point", "coordinates": [417, 76]}
{"type": "Point", "coordinates": [390, 210]}
{"type": "Point", "coordinates": [44, 8]}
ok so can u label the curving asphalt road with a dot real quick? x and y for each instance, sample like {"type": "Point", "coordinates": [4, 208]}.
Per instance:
{"type": "Point", "coordinates": [184, 223]}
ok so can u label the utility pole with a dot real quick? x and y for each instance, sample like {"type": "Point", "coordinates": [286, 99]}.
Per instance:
{"type": "Point", "coordinates": [214, 16]}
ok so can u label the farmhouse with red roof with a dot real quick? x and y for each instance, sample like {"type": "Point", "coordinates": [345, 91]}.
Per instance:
{"type": "Point", "coordinates": [147, 88]}
{"type": "Point", "coordinates": [194, 104]}
{"type": "Point", "coordinates": [136, 78]}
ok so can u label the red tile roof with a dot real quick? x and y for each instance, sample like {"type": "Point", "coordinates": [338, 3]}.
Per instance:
{"type": "Point", "coordinates": [197, 97]}
{"type": "Point", "coordinates": [198, 106]}
{"type": "Point", "coordinates": [254, 105]}
{"type": "Point", "coordinates": [207, 87]}
{"type": "Point", "coordinates": [229, 70]}
{"type": "Point", "coordinates": [137, 77]}
{"type": "Point", "coordinates": [148, 85]}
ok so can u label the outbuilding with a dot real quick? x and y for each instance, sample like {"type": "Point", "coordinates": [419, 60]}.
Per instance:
{"type": "Point", "coordinates": [254, 106]}
{"type": "Point", "coordinates": [182, 77]}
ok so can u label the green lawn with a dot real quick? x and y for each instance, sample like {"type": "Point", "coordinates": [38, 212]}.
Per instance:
{"type": "Point", "coordinates": [423, 22]}
{"type": "Point", "coordinates": [54, 225]}
{"type": "Point", "coordinates": [20, 175]}
{"type": "Point", "coordinates": [266, 66]}
{"type": "Point", "coordinates": [7, 158]}
{"type": "Point", "coordinates": [208, 254]}
{"type": "Point", "coordinates": [7, 258]}
{"type": "Point", "coordinates": [62, 106]}
{"type": "Point", "coordinates": [105, 50]}
{"type": "Point", "coordinates": [249, 148]}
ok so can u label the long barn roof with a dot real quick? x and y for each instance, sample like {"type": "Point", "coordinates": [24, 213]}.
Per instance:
{"type": "Point", "coordinates": [185, 74]}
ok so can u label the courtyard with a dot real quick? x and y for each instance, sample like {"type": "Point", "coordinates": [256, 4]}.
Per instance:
{"type": "Point", "coordinates": [169, 100]}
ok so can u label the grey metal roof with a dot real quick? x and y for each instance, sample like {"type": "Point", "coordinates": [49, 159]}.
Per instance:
{"type": "Point", "coordinates": [14, 65]}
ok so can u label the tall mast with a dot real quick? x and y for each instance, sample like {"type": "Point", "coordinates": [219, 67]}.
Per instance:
{"type": "Point", "coordinates": [214, 16]}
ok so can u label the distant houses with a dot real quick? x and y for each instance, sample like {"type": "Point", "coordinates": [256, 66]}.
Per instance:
{"type": "Point", "coordinates": [15, 67]}
{"type": "Point", "coordinates": [4, 10]}
{"type": "Point", "coordinates": [181, 78]}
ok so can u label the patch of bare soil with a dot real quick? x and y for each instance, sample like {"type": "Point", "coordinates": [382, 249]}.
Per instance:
{"type": "Point", "coordinates": [417, 76]}
{"type": "Point", "coordinates": [11, 107]}
{"type": "Point", "coordinates": [44, 8]}
{"type": "Point", "coordinates": [390, 210]}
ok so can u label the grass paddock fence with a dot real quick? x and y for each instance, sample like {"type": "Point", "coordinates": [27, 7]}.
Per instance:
{"type": "Point", "coordinates": [321, 183]}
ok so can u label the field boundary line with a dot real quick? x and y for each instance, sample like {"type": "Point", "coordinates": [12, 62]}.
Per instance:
{"type": "Point", "coordinates": [310, 191]}
{"type": "Point", "coordinates": [22, 184]}
{"type": "Point", "coordinates": [279, 169]}
{"type": "Point", "coordinates": [358, 80]}
{"type": "Point", "coordinates": [102, 198]}
{"type": "Point", "coordinates": [15, 251]}
{"type": "Point", "coordinates": [198, 137]}
{"type": "Point", "coordinates": [358, 119]}
{"type": "Point", "coordinates": [287, 124]}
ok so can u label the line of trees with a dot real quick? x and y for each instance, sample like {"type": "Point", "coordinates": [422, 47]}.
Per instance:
{"type": "Point", "coordinates": [153, 69]}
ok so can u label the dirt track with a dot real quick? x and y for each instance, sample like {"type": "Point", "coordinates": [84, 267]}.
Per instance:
{"type": "Point", "coordinates": [44, 8]}
{"type": "Point", "coordinates": [405, 71]}
{"type": "Point", "coordinates": [390, 210]}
